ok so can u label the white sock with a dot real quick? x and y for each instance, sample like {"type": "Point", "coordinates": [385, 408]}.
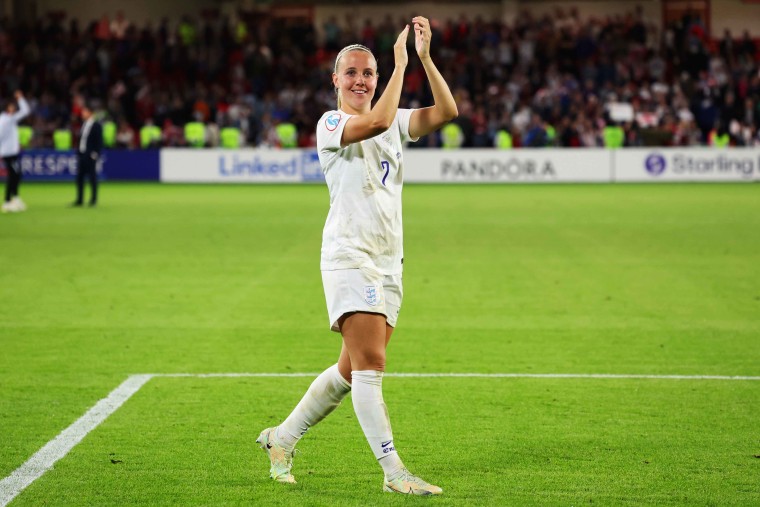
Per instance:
{"type": "Point", "coordinates": [323, 396]}
{"type": "Point", "coordinates": [367, 395]}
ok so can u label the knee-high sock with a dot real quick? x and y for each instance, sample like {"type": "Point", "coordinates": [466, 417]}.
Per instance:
{"type": "Point", "coordinates": [323, 396]}
{"type": "Point", "coordinates": [367, 395]}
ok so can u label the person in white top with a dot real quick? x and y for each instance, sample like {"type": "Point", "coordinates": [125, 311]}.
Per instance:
{"type": "Point", "coordinates": [9, 150]}
{"type": "Point", "coordinates": [360, 150]}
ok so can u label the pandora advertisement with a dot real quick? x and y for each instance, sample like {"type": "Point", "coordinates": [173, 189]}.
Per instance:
{"type": "Point", "coordinates": [507, 166]}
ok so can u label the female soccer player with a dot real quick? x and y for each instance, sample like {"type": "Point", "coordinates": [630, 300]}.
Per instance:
{"type": "Point", "coordinates": [9, 150]}
{"type": "Point", "coordinates": [360, 150]}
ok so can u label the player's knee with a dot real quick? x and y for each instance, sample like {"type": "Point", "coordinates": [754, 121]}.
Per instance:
{"type": "Point", "coordinates": [371, 360]}
{"type": "Point", "coordinates": [378, 365]}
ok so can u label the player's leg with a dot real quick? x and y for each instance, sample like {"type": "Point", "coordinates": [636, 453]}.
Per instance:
{"type": "Point", "coordinates": [344, 363]}
{"type": "Point", "coordinates": [15, 166]}
{"type": "Point", "coordinates": [7, 207]}
{"type": "Point", "coordinates": [322, 397]}
{"type": "Point", "coordinates": [366, 337]}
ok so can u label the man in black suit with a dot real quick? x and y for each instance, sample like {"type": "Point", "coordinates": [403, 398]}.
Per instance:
{"type": "Point", "coordinates": [90, 146]}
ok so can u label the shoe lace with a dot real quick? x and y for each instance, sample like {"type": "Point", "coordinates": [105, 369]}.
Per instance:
{"type": "Point", "coordinates": [289, 457]}
{"type": "Point", "coordinates": [411, 478]}
{"type": "Point", "coordinates": [404, 475]}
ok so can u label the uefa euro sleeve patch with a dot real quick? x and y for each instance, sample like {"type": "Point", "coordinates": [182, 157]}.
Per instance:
{"type": "Point", "coordinates": [332, 121]}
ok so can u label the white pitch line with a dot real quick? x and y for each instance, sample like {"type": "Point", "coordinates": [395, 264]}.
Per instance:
{"type": "Point", "coordinates": [44, 459]}
{"type": "Point", "coordinates": [212, 375]}
{"type": "Point", "coordinates": [481, 375]}
{"type": "Point", "coordinates": [577, 375]}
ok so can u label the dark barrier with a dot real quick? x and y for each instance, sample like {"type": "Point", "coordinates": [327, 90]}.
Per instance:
{"type": "Point", "coordinates": [141, 165]}
{"type": "Point", "coordinates": [52, 165]}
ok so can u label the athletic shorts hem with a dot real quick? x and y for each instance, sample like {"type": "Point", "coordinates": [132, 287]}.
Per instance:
{"type": "Point", "coordinates": [334, 324]}
{"type": "Point", "coordinates": [354, 290]}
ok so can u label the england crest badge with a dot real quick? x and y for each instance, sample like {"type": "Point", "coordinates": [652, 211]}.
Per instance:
{"type": "Point", "coordinates": [370, 295]}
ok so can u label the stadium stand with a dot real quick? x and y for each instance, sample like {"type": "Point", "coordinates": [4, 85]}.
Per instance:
{"type": "Point", "coordinates": [555, 79]}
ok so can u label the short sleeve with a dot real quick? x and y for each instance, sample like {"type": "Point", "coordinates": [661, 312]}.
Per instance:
{"type": "Point", "coordinates": [330, 130]}
{"type": "Point", "coordinates": [403, 116]}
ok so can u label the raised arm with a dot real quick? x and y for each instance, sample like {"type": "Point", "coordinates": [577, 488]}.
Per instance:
{"type": "Point", "coordinates": [23, 107]}
{"type": "Point", "coordinates": [426, 120]}
{"type": "Point", "coordinates": [380, 117]}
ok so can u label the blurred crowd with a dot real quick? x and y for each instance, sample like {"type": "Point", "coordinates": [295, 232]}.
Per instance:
{"type": "Point", "coordinates": [551, 80]}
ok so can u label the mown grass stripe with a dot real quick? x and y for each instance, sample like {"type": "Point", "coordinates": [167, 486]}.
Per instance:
{"type": "Point", "coordinates": [482, 375]}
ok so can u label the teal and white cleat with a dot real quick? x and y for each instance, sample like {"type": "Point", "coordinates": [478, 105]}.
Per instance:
{"type": "Point", "coordinates": [281, 458]}
{"type": "Point", "coordinates": [409, 484]}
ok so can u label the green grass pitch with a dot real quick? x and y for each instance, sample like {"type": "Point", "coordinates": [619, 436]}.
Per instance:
{"type": "Point", "coordinates": [626, 279]}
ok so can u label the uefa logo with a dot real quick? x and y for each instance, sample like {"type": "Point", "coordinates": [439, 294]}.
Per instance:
{"type": "Point", "coordinates": [655, 164]}
{"type": "Point", "coordinates": [332, 121]}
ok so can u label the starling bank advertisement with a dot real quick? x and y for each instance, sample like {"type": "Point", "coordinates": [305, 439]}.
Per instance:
{"type": "Point", "coordinates": [694, 164]}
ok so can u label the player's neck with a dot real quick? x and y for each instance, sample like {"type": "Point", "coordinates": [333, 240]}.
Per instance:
{"type": "Point", "coordinates": [350, 110]}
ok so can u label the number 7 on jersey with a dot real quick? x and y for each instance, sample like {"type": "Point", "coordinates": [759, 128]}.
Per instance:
{"type": "Point", "coordinates": [387, 168]}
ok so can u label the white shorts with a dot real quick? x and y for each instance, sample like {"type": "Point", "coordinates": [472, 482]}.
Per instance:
{"type": "Point", "coordinates": [354, 290]}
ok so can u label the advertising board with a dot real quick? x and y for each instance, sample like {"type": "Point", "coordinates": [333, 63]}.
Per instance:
{"type": "Point", "coordinates": [507, 166]}
{"type": "Point", "coordinates": [53, 165]}
{"type": "Point", "coordinates": [692, 164]}
{"type": "Point", "coordinates": [181, 165]}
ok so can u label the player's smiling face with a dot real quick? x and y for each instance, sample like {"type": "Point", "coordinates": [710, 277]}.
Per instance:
{"type": "Point", "coordinates": [356, 81]}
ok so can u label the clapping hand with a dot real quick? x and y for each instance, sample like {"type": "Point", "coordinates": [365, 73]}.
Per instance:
{"type": "Point", "coordinates": [422, 36]}
{"type": "Point", "coordinates": [399, 48]}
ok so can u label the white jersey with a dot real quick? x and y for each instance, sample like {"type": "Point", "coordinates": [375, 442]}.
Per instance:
{"type": "Point", "coordinates": [9, 145]}
{"type": "Point", "coordinates": [365, 179]}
